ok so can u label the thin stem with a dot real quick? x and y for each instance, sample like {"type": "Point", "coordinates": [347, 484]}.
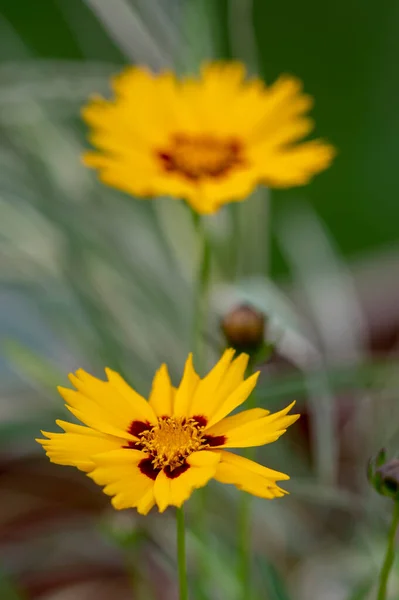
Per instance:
{"type": "Point", "coordinates": [244, 550]}
{"type": "Point", "coordinates": [181, 554]}
{"type": "Point", "coordinates": [198, 348]}
{"type": "Point", "coordinates": [390, 554]}
{"type": "Point", "coordinates": [200, 295]}
{"type": "Point", "coordinates": [245, 520]}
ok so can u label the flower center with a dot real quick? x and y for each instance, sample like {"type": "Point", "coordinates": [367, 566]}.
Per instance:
{"type": "Point", "coordinates": [198, 156]}
{"type": "Point", "coordinates": [171, 441]}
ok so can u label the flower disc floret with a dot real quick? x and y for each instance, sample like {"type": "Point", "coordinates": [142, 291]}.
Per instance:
{"type": "Point", "coordinates": [171, 441]}
{"type": "Point", "coordinates": [198, 157]}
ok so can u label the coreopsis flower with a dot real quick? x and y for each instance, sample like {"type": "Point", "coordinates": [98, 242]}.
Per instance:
{"type": "Point", "coordinates": [209, 140]}
{"type": "Point", "coordinates": [158, 451]}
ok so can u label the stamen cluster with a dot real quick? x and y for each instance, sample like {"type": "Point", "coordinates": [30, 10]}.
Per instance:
{"type": "Point", "coordinates": [172, 440]}
{"type": "Point", "coordinates": [196, 157]}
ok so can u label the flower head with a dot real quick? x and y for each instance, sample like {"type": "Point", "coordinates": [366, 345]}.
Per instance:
{"type": "Point", "coordinates": [209, 140]}
{"type": "Point", "coordinates": [158, 452]}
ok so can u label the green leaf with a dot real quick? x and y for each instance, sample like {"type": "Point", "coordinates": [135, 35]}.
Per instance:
{"type": "Point", "coordinates": [31, 365]}
{"type": "Point", "coordinates": [273, 586]}
{"type": "Point", "coordinates": [362, 589]}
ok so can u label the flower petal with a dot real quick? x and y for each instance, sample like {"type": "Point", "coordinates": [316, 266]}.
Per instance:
{"type": "Point", "coordinates": [258, 432]}
{"type": "Point", "coordinates": [242, 418]}
{"type": "Point", "coordinates": [108, 406]}
{"type": "Point", "coordinates": [206, 400]}
{"type": "Point", "coordinates": [77, 445]}
{"type": "Point", "coordinates": [131, 399]}
{"type": "Point", "coordinates": [174, 491]}
{"type": "Point", "coordinates": [161, 397]}
{"type": "Point", "coordinates": [249, 476]}
{"type": "Point", "coordinates": [295, 165]}
{"type": "Point", "coordinates": [283, 107]}
{"type": "Point", "coordinates": [119, 472]}
{"type": "Point", "coordinates": [234, 399]}
{"type": "Point", "coordinates": [147, 502]}
{"type": "Point", "coordinates": [186, 389]}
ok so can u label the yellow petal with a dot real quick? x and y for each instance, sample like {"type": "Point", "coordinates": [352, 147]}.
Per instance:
{"type": "Point", "coordinates": [235, 399]}
{"type": "Point", "coordinates": [294, 165]}
{"type": "Point", "coordinates": [261, 431]}
{"type": "Point", "coordinates": [249, 476]}
{"type": "Point", "coordinates": [229, 423]}
{"type": "Point", "coordinates": [147, 502]}
{"type": "Point", "coordinates": [120, 457]}
{"type": "Point", "coordinates": [136, 404]}
{"type": "Point", "coordinates": [154, 107]}
{"type": "Point", "coordinates": [119, 472]}
{"type": "Point", "coordinates": [162, 491]}
{"type": "Point", "coordinates": [206, 400]}
{"type": "Point", "coordinates": [77, 446]}
{"type": "Point", "coordinates": [91, 414]}
{"type": "Point", "coordinates": [186, 389]}
{"type": "Point", "coordinates": [109, 406]}
{"type": "Point", "coordinates": [204, 458]}
{"type": "Point", "coordinates": [175, 491]}
{"type": "Point", "coordinates": [161, 396]}
{"type": "Point", "coordinates": [283, 106]}
{"type": "Point", "coordinates": [98, 425]}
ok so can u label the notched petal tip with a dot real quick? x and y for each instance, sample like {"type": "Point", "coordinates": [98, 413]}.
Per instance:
{"type": "Point", "coordinates": [162, 371]}
{"type": "Point", "coordinates": [74, 379]}
{"type": "Point", "coordinates": [81, 374]}
{"type": "Point", "coordinates": [63, 390]}
{"type": "Point", "coordinates": [110, 373]}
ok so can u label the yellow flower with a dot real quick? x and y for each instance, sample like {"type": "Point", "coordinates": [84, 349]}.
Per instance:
{"type": "Point", "coordinates": [209, 140]}
{"type": "Point", "coordinates": [161, 450]}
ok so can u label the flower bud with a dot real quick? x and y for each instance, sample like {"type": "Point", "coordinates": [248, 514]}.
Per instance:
{"type": "Point", "coordinates": [384, 475]}
{"type": "Point", "coordinates": [244, 329]}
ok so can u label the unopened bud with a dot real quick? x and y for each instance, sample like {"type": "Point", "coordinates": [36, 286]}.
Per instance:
{"type": "Point", "coordinates": [384, 475]}
{"type": "Point", "coordinates": [244, 329]}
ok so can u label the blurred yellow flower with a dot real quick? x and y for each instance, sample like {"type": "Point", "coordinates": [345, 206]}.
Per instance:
{"type": "Point", "coordinates": [158, 452]}
{"type": "Point", "coordinates": [209, 140]}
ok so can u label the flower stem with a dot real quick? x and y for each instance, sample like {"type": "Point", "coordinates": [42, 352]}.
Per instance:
{"type": "Point", "coordinates": [200, 295]}
{"type": "Point", "coordinates": [245, 535]}
{"type": "Point", "coordinates": [245, 538]}
{"type": "Point", "coordinates": [199, 350]}
{"type": "Point", "coordinates": [245, 519]}
{"type": "Point", "coordinates": [389, 555]}
{"type": "Point", "coordinates": [181, 554]}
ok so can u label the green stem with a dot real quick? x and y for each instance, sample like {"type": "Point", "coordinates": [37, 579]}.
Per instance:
{"type": "Point", "coordinates": [181, 554]}
{"type": "Point", "coordinates": [199, 348]}
{"type": "Point", "coordinates": [200, 296]}
{"type": "Point", "coordinates": [245, 537]}
{"type": "Point", "coordinates": [245, 520]}
{"type": "Point", "coordinates": [390, 554]}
